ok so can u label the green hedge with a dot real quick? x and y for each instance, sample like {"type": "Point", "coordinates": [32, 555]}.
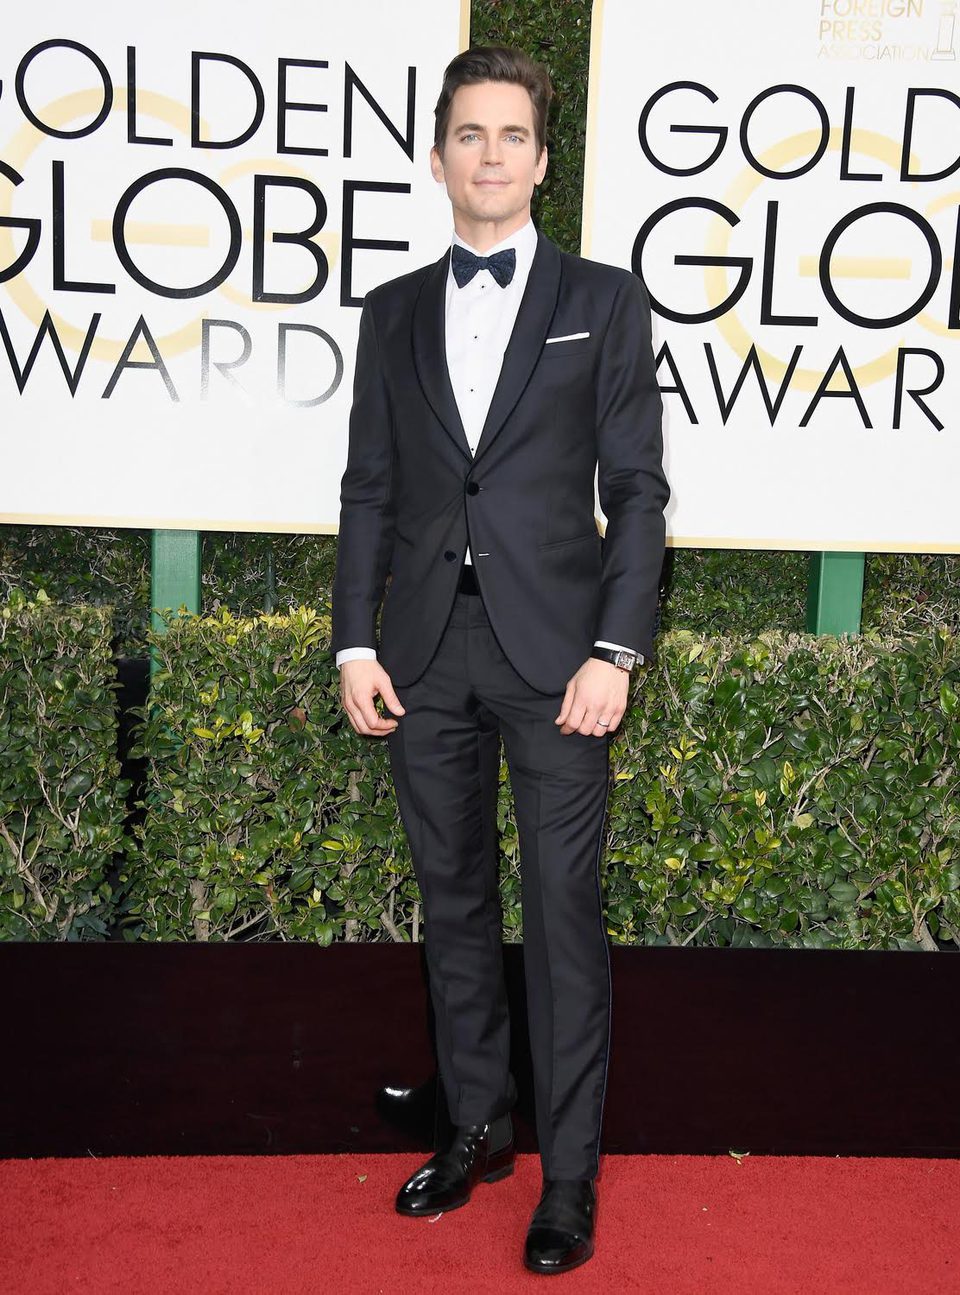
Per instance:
{"type": "Point", "coordinates": [61, 797]}
{"type": "Point", "coordinates": [266, 817]}
{"type": "Point", "coordinates": [786, 790]}
{"type": "Point", "coordinates": [791, 791]}
{"type": "Point", "coordinates": [740, 592]}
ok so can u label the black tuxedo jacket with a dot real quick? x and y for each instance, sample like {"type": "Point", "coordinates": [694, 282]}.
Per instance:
{"type": "Point", "coordinates": [412, 495]}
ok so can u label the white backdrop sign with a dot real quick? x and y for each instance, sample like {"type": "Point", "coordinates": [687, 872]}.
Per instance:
{"type": "Point", "coordinates": [194, 199]}
{"type": "Point", "coordinates": [785, 180]}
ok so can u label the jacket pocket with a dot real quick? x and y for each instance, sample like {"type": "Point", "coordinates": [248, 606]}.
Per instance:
{"type": "Point", "coordinates": [568, 349]}
{"type": "Point", "coordinates": [574, 539]}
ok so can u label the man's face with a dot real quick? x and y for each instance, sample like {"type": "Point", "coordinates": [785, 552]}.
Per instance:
{"type": "Point", "coordinates": [490, 163]}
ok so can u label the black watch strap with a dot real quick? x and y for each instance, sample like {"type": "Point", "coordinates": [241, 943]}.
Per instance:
{"type": "Point", "coordinates": [623, 659]}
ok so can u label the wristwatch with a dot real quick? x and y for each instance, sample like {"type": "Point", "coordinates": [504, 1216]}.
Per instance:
{"type": "Point", "coordinates": [620, 657]}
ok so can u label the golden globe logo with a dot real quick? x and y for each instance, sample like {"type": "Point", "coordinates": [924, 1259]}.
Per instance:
{"type": "Point", "coordinates": [917, 371]}
{"type": "Point", "coordinates": [136, 227]}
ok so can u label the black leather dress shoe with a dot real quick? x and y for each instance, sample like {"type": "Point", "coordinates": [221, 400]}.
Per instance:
{"type": "Point", "coordinates": [560, 1236]}
{"type": "Point", "coordinates": [477, 1153]}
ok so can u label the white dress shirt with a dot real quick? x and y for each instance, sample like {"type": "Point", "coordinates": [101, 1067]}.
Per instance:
{"type": "Point", "coordinates": [479, 319]}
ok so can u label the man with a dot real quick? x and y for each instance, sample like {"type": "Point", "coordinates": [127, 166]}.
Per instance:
{"type": "Point", "coordinates": [490, 387]}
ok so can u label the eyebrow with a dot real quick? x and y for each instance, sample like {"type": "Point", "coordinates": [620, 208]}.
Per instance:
{"type": "Point", "coordinates": [475, 125]}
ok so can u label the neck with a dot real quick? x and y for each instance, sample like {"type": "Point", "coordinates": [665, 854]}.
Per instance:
{"type": "Point", "coordinates": [484, 234]}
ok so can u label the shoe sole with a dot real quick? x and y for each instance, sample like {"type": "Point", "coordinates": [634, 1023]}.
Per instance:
{"type": "Point", "coordinates": [430, 1211]}
{"type": "Point", "coordinates": [557, 1268]}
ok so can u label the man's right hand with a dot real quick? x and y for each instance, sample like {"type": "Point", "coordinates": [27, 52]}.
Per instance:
{"type": "Point", "coordinates": [360, 683]}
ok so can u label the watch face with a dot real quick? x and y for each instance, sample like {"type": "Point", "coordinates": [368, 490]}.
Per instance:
{"type": "Point", "coordinates": [626, 660]}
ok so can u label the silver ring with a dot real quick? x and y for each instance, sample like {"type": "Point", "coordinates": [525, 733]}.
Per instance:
{"type": "Point", "coordinates": [604, 723]}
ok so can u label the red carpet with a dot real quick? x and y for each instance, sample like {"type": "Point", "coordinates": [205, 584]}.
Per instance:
{"type": "Point", "coordinates": [326, 1223]}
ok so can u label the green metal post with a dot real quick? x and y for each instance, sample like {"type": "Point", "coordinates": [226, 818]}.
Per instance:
{"type": "Point", "coordinates": [835, 593]}
{"type": "Point", "coordinates": [174, 576]}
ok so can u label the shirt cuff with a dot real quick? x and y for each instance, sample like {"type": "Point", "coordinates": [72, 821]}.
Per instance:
{"type": "Point", "coordinates": [356, 654]}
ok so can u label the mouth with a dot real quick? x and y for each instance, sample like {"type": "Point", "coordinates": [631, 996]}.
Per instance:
{"type": "Point", "coordinates": [492, 184]}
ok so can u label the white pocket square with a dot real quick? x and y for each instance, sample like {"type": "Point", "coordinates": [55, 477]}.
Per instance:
{"type": "Point", "coordinates": [567, 337]}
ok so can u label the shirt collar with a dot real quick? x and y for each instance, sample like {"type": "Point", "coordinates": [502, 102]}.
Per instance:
{"type": "Point", "coordinates": [523, 239]}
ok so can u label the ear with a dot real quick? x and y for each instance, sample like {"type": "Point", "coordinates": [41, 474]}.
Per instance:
{"type": "Point", "coordinates": [436, 166]}
{"type": "Point", "coordinates": [541, 170]}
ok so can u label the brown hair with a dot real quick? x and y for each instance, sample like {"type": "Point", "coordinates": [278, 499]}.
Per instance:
{"type": "Point", "coordinates": [495, 63]}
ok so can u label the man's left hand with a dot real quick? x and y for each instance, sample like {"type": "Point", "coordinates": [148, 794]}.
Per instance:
{"type": "Point", "coordinates": [597, 691]}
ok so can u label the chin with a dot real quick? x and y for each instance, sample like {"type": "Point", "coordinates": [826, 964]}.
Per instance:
{"type": "Point", "coordinates": [498, 202]}
{"type": "Point", "coordinates": [488, 213]}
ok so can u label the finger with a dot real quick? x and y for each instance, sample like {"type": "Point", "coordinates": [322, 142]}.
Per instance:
{"type": "Point", "coordinates": [372, 724]}
{"type": "Point", "coordinates": [608, 714]}
{"type": "Point", "coordinates": [356, 718]}
{"type": "Point", "coordinates": [391, 700]}
{"type": "Point", "coordinates": [565, 706]}
{"type": "Point", "coordinates": [349, 703]}
{"type": "Point", "coordinates": [574, 717]}
{"type": "Point", "coordinates": [367, 709]}
{"type": "Point", "coordinates": [384, 723]}
{"type": "Point", "coordinates": [382, 728]}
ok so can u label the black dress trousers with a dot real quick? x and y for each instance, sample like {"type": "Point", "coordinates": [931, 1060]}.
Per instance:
{"type": "Point", "coordinates": [445, 759]}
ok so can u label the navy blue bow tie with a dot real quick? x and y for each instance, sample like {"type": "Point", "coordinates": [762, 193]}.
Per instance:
{"type": "Point", "coordinates": [465, 265]}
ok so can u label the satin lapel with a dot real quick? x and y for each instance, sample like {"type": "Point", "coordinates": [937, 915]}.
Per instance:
{"type": "Point", "coordinates": [430, 352]}
{"type": "Point", "coordinates": [536, 310]}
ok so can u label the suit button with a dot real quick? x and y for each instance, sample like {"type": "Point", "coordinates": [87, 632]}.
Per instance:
{"type": "Point", "coordinates": [472, 488]}
{"type": "Point", "coordinates": [450, 555]}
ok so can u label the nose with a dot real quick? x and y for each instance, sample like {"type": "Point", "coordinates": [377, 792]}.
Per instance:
{"type": "Point", "coordinates": [491, 151]}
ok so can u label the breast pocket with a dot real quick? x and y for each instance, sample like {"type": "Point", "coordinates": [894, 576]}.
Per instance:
{"type": "Point", "coordinates": [569, 348]}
